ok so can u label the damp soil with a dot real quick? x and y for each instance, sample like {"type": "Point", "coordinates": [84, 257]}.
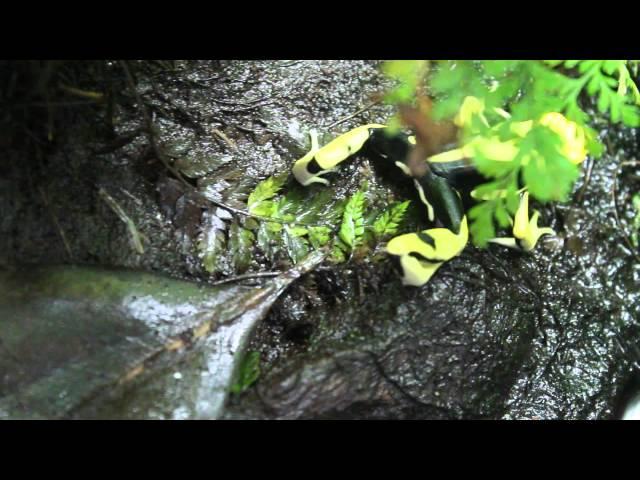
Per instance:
{"type": "Point", "coordinates": [494, 335]}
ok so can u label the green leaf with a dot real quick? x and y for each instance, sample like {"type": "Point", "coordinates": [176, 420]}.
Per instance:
{"type": "Point", "coordinates": [603, 101]}
{"type": "Point", "coordinates": [265, 190]}
{"type": "Point", "coordinates": [352, 227]}
{"type": "Point", "coordinates": [319, 236]}
{"type": "Point", "coordinates": [268, 240]}
{"type": "Point", "coordinates": [297, 246]}
{"type": "Point", "coordinates": [211, 242]}
{"type": "Point", "coordinates": [338, 251]}
{"type": "Point", "coordinates": [248, 372]}
{"type": "Point", "coordinates": [408, 73]}
{"type": "Point", "coordinates": [387, 223]}
{"type": "Point", "coordinates": [240, 243]}
{"type": "Point", "coordinates": [482, 229]}
{"type": "Point", "coordinates": [264, 208]}
{"type": "Point", "coordinates": [631, 116]}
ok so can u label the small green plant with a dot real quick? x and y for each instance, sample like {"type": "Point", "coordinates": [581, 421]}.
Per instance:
{"type": "Point", "coordinates": [352, 226]}
{"type": "Point", "coordinates": [512, 92]}
{"type": "Point", "coordinates": [388, 222]}
{"type": "Point", "coordinates": [248, 372]}
{"type": "Point", "coordinates": [292, 224]}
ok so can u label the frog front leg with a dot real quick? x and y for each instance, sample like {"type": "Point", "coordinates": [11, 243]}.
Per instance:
{"type": "Point", "coordinates": [305, 169]}
{"type": "Point", "coordinates": [526, 232]}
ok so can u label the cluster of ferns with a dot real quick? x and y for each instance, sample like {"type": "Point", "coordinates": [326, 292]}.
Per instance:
{"type": "Point", "coordinates": [438, 188]}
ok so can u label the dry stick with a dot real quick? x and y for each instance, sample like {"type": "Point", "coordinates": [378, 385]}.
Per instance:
{"type": "Point", "coordinates": [615, 211]}
{"type": "Point", "coordinates": [56, 223]}
{"type": "Point", "coordinates": [136, 236]}
{"type": "Point", "coordinates": [290, 64]}
{"type": "Point", "coordinates": [355, 114]}
{"type": "Point", "coordinates": [229, 142]}
{"type": "Point", "coordinates": [97, 96]}
{"type": "Point", "coordinates": [246, 276]}
{"type": "Point", "coordinates": [586, 180]}
{"type": "Point", "coordinates": [61, 103]}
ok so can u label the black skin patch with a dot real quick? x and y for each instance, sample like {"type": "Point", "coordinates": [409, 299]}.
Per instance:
{"type": "Point", "coordinates": [445, 201]}
{"type": "Point", "coordinates": [313, 167]}
{"type": "Point", "coordinates": [428, 239]}
{"type": "Point", "coordinates": [422, 258]}
{"type": "Point", "coordinates": [442, 196]}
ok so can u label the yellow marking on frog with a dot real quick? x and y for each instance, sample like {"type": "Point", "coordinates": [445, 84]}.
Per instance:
{"type": "Point", "coordinates": [423, 199]}
{"type": "Point", "coordinates": [329, 156]}
{"type": "Point", "coordinates": [404, 168]}
{"type": "Point", "coordinates": [526, 232]}
{"type": "Point", "coordinates": [445, 246]}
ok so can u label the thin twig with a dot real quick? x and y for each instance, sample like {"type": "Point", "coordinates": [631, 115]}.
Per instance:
{"type": "Point", "coordinates": [245, 109]}
{"type": "Point", "coordinates": [229, 142]}
{"type": "Point", "coordinates": [131, 226]}
{"type": "Point", "coordinates": [290, 64]}
{"type": "Point", "coordinates": [54, 218]}
{"type": "Point", "coordinates": [246, 276]}
{"type": "Point", "coordinates": [355, 114]}
{"type": "Point", "coordinates": [97, 96]}
{"type": "Point", "coordinates": [61, 103]}
{"type": "Point", "coordinates": [586, 180]}
{"type": "Point", "coordinates": [265, 219]}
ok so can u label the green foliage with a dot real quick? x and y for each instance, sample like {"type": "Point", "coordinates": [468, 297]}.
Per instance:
{"type": "Point", "coordinates": [352, 227]}
{"type": "Point", "coordinates": [298, 215]}
{"type": "Point", "coordinates": [482, 228]}
{"type": "Point", "coordinates": [240, 243]}
{"type": "Point", "coordinates": [388, 221]}
{"type": "Point", "coordinates": [408, 76]}
{"type": "Point", "coordinates": [212, 242]}
{"type": "Point", "coordinates": [259, 202]}
{"type": "Point", "coordinates": [303, 219]}
{"type": "Point", "coordinates": [319, 236]}
{"type": "Point", "coordinates": [248, 372]}
{"type": "Point", "coordinates": [528, 90]}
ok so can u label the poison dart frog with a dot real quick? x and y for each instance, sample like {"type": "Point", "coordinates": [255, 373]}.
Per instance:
{"type": "Point", "coordinates": [441, 187]}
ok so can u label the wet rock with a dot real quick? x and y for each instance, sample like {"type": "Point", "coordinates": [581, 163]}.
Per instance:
{"type": "Point", "coordinates": [88, 343]}
{"type": "Point", "coordinates": [495, 334]}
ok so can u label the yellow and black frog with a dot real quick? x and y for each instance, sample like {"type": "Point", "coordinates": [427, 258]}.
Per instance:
{"type": "Point", "coordinates": [439, 187]}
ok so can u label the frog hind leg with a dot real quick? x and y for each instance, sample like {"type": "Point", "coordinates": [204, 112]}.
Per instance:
{"type": "Point", "coordinates": [526, 232]}
{"type": "Point", "coordinates": [421, 254]}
